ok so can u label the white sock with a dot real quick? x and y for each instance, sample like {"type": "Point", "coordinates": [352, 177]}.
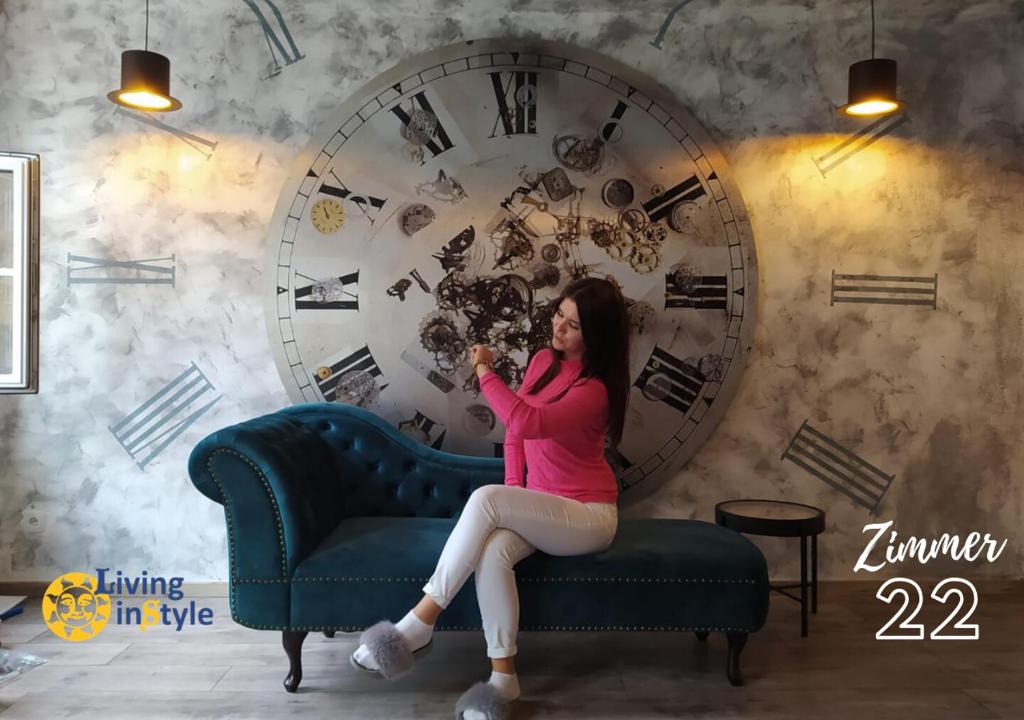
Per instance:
{"type": "Point", "coordinates": [507, 687]}
{"type": "Point", "coordinates": [414, 631]}
{"type": "Point", "coordinates": [506, 684]}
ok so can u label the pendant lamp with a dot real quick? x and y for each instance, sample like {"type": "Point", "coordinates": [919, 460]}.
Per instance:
{"type": "Point", "coordinates": [145, 80]}
{"type": "Point", "coordinates": [872, 84]}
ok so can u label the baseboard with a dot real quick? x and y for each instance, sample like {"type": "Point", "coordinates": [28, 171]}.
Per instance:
{"type": "Point", "coordinates": [36, 588]}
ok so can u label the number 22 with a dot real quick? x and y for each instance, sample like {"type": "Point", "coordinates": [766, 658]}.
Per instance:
{"type": "Point", "coordinates": [941, 592]}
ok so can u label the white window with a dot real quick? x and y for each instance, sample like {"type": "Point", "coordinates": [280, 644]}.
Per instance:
{"type": "Point", "coordinates": [19, 273]}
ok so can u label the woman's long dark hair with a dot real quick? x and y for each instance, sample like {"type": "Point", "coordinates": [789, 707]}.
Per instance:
{"type": "Point", "coordinates": [605, 326]}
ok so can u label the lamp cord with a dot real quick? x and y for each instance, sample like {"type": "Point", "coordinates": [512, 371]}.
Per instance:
{"type": "Point", "coordinates": [872, 27]}
{"type": "Point", "coordinates": [147, 27]}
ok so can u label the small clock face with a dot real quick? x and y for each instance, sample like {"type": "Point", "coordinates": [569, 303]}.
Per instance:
{"type": "Point", "coordinates": [477, 181]}
{"type": "Point", "coordinates": [327, 215]}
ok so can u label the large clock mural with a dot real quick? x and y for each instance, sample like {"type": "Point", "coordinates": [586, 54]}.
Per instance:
{"type": "Point", "coordinates": [448, 202]}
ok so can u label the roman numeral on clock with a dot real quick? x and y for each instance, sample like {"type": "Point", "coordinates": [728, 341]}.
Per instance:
{"type": "Point", "coordinates": [830, 462]}
{"type": "Point", "coordinates": [517, 102]}
{"type": "Point", "coordinates": [158, 274]}
{"type": "Point", "coordinates": [425, 426]}
{"type": "Point", "coordinates": [157, 422]}
{"type": "Point", "coordinates": [368, 204]}
{"type": "Point", "coordinates": [666, 378]}
{"type": "Point", "coordinates": [660, 37]}
{"type": "Point", "coordinates": [610, 130]}
{"type": "Point", "coordinates": [884, 289]}
{"type": "Point", "coordinates": [360, 360]}
{"type": "Point", "coordinates": [857, 142]}
{"type": "Point", "coordinates": [702, 292]}
{"type": "Point", "coordinates": [291, 53]}
{"type": "Point", "coordinates": [620, 465]}
{"type": "Point", "coordinates": [661, 205]}
{"type": "Point", "coordinates": [336, 293]}
{"type": "Point", "coordinates": [618, 462]}
{"type": "Point", "coordinates": [439, 140]}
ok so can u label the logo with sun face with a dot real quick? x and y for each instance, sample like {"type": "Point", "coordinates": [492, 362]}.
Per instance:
{"type": "Point", "coordinates": [73, 609]}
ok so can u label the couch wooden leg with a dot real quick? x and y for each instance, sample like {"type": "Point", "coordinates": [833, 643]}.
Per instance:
{"type": "Point", "coordinates": [292, 641]}
{"type": "Point", "coordinates": [702, 635]}
{"type": "Point", "coordinates": [732, 668]}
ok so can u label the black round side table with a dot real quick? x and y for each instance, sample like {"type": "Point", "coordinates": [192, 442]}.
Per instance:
{"type": "Point", "coordinates": [779, 518]}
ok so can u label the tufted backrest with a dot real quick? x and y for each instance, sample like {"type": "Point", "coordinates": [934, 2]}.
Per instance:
{"type": "Point", "coordinates": [288, 478]}
{"type": "Point", "coordinates": [377, 470]}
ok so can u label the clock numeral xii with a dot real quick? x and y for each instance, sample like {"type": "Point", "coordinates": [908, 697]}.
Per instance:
{"type": "Point", "coordinates": [517, 102]}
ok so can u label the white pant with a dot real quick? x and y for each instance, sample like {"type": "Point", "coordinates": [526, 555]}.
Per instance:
{"type": "Point", "coordinates": [501, 525]}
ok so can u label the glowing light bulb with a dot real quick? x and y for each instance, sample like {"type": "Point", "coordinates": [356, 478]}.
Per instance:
{"type": "Point", "coordinates": [144, 99]}
{"type": "Point", "coordinates": [872, 107]}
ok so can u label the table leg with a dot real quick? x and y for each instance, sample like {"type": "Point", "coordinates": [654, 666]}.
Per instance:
{"type": "Point", "coordinates": [803, 586]}
{"type": "Point", "coordinates": [814, 574]}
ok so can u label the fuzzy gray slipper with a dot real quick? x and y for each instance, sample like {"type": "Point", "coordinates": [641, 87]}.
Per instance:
{"type": "Point", "coordinates": [388, 650]}
{"type": "Point", "coordinates": [484, 698]}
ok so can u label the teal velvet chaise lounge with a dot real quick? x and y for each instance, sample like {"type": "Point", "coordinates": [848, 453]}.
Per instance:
{"type": "Point", "coordinates": [335, 520]}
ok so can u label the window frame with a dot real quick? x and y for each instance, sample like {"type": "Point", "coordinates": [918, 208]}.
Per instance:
{"type": "Point", "coordinates": [25, 172]}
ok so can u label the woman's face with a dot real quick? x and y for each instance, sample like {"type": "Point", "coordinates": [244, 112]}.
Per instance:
{"type": "Point", "coordinates": [567, 335]}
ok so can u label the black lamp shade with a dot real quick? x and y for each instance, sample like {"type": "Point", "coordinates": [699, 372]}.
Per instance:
{"type": "Point", "coordinates": [145, 82]}
{"type": "Point", "coordinates": [872, 88]}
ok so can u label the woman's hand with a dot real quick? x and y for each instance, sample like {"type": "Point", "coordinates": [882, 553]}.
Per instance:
{"type": "Point", "coordinates": [481, 354]}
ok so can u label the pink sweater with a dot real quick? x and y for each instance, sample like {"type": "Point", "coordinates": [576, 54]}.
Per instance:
{"type": "Point", "coordinates": [563, 441]}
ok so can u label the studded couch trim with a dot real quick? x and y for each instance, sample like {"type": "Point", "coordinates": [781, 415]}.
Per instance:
{"type": "Point", "coordinates": [527, 628]}
{"type": "Point", "coordinates": [530, 579]}
{"type": "Point", "coordinates": [231, 530]}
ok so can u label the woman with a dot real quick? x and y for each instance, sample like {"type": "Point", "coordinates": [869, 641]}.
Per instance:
{"type": "Point", "coordinates": [574, 392]}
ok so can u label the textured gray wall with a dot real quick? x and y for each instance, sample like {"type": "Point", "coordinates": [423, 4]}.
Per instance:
{"type": "Point", "coordinates": [932, 397]}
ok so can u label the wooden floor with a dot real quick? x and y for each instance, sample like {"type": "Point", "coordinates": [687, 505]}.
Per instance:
{"type": "Point", "coordinates": [839, 671]}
